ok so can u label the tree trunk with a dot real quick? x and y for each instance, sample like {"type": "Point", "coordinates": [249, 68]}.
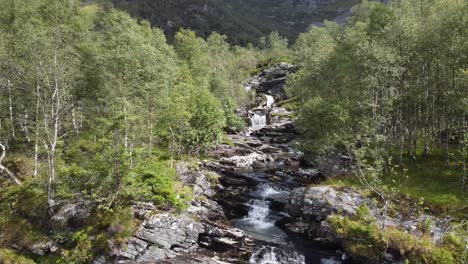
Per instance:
{"type": "Point", "coordinates": [5, 169]}
{"type": "Point", "coordinates": [36, 139]}
{"type": "Point", "coordinates": [10, 104]}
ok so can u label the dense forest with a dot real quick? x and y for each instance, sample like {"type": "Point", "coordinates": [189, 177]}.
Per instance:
{"type": "Point", "coordinates": [97, 108]}
{"type": "Point", "coordinates": [242, 21]}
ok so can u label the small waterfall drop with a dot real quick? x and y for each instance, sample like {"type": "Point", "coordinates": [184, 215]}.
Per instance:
{"type": "Point", "coordinates": [274, 255]}
{"type": "Point", "coordinates": [258, 213]}
{"type": "Point", "coordinates": [258, 121]}
{"type": "Point", "coordinates": [270, 100]}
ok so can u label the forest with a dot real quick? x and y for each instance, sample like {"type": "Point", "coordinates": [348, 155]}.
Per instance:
{"type": "Point", "coordinates": [97, 109]}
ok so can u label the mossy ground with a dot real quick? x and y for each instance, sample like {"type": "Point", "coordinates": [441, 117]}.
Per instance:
{"type": "Point", "coordinates": [365, 240]}
{"type": "Point", "coordinates": [428, 181]}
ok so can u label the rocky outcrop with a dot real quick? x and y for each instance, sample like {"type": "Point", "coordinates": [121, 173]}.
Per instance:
{"type": "Point", "coordinates": [312, 206]}
{"type": "Point", "coordinates": [272, 80]}
{"type": "Point", "coordinates": [160, 237]}
{"type": "Point", "coordinates": [317, 203]}
{"type": "Point", "coordinates": [334, 164]}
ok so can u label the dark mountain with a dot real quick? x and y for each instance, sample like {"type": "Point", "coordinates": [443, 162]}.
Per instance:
{"type": "Point", "coordinates": [244, 21]}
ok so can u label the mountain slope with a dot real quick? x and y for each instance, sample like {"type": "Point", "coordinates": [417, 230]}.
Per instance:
{"type": "Point", "coordinates": [244, 21]}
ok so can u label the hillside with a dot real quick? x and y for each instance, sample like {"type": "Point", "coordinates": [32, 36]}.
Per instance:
{"type": "Point", "coordinates": [244, 21]}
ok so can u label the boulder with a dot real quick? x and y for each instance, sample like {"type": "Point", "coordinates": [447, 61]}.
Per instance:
{"type": "Point", "coordinates": [245, 161]}
{"type": "Point", "coordinates": [317, 203]}
{"type": "Point", "coordinates": [160, 237]}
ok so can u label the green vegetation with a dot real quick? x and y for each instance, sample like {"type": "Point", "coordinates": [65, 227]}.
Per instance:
{"type": "Point", "coordinates": [96, 108]}
{"type": "Point", "coordinates": [10, 257]}
{"type": "Point", "coordinates": [243, 21]}
{"type": "Point", "coordinates": [389, 90]}
{"type": "Point", "coordinates": [363, 238]}
{"type": "Point", "coordinates": [426, 180]}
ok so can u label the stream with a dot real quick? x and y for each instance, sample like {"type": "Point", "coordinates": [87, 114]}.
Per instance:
{"type": "Point", "coordinates": [258, 207]}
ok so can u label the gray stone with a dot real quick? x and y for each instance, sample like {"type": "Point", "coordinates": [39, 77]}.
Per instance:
{"type": "Point", "coordinates": [317, 203]}
{"type": "Point", "coordinates": [164, 234]}
{"type": "Point", "coordinates": [135, 247]}
{"type": "Point", "coordinates": [154, 253]}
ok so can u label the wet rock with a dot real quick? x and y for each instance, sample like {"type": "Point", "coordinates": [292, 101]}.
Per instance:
{"type": "Point", "coordinates": [220, 238]}
{"type": "Point", "coordinates": [307, 172]}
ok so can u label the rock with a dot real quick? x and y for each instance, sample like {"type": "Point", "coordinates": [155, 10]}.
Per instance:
{"type": "Point", "coordinates": [219, 238]}
{"type": "Point", "coordinates": [101, 260]}
{"type": "Point", "coordinates": [141, 209]}
{"type": "Point", "coordinates": [272, 80]}
{"type": "Point", "coordinates": [205, 183]}
{"type": "Point", "coordinates": [226, 241]}
{"type": "Point", "coordinates": [334, 164]}
{"type": "Point", "coordinates": [324, 233]}
{"type": "Point", "coordinates": [307, 173]}
{"type": "Point", "coordinates": [42, 248]}
{"type": "Point", "coordinates": [155, 253]}
{"type": "Point", "coordinates": [135, 247]}
{"type": "Point", "coordinates": [317, 203]}
{"type": "Point", "coordinates": [207, 210]}
{"type": "Point", "coordinates": [235, 233]}
{"type": "Point", "coordinates": [245, 161]}
{"type": "Point", "coordinates": [194, 259]}
{"type": "Point", "coordinates": [162, 236]}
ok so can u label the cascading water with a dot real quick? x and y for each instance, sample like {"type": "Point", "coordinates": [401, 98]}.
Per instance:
{"type": "Point", "coordinates": [258, 213]}
{"type": "Point", "coordinates": [274, 255]}
{"type": "Point", "coordinates": [270, 100]}
{"type": "Point", "coordinates": [258, 121]}
{"type": "Point", "coordinates": [260, 222]}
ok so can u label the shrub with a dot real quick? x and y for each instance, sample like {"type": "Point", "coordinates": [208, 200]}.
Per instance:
{"type": "Point", "coordinates": [82, 253]}
{"type": "Point", "coordinates": [153, 181]}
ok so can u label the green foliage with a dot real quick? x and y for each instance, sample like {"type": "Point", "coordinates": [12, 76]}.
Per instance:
{"type": "Point", "coordinates": [10, 257]}
{"type": "Point", "coordinates": [365, 239]}
{"type": "Point", "coordinates": [233, 121]}
{"type": "Point", "coordinates": [322, 124]}
{"type": "Point", "coordinates": [373, 68]}
{"type": "Point", "coordinates": [243, 21]}
{"type": "Point", "coordinates": [208, 121]}
{"type": "Point", "coordinates": [154, 181]}
{"type": "Point", "coordinates": [275, 49]}
{"type": "Point", "coordinates": [82, 253]}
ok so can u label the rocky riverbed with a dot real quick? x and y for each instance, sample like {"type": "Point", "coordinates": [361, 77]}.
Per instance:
{"type": "Point", "coordinates": [252, 199]}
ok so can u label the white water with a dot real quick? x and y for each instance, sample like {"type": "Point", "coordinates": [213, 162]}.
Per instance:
{"type": "Point", "coordinates": [268, 191]}
{"type": "Point", "coordinates": [270, 100]}
{"type": "Point", "coordinates": [258, 121]}
{"type": "Point", "coordinates": [258, 214]}
{"type": "Point", "coordinates": [274, 255]}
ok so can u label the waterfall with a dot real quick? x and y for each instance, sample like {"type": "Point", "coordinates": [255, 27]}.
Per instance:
{"type": "Point", "coordinates": [258, 121]}
{"type": "Point", "coordinates": [258, 213]}
{"type": "Point", "coordinates": [274, 255]}
{"type": "Point", "coordinates": [270, 100]}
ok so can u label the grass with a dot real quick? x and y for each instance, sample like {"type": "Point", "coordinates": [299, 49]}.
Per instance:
{"type": "Point", "coordinates": [364, 239]}
{"type": "Point", "coordinates": [8, 256]}
{"type": "Point", "coordinates": [439, 185]}
{"type": "Point", "coordinates": [426, 180]}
